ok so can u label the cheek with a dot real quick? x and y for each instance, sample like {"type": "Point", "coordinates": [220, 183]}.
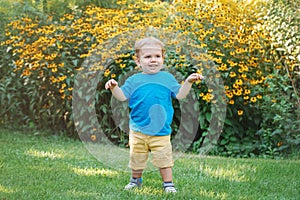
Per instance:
{"type": "Point", "coordinates": [143, 60]}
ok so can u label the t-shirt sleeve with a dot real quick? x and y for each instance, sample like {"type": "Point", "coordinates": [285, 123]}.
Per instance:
{"type": "Point", "coordinates": [127, 87]}
{"type": "Point", "coordinates": [174, 86]}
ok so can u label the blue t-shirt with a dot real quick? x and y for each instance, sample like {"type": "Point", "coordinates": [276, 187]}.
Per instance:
{"type": "Point", "coordinates": [150, 100]}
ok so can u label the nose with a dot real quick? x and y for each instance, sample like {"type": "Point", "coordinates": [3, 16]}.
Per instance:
{"type": "Point", "coordinates": [153, 59]}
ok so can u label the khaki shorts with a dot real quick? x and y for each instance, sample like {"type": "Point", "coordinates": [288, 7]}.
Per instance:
{"type": "Point", "coordinates": [140, 146]}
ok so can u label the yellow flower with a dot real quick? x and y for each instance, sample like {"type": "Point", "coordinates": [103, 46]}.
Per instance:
{"type": "Point", "coordinates": [232, 64]}
{"type": "Point", "coordinates": [239, 82]}
{"type": "Point", "coordinates": [241, 70]}
{"type": "Point", "coordinates": [113, 76]}
{"type": "Point", "coordinates": [244, 75]}
{"type": "Point", "coordinates": [53, 55]}
{"type": "Point", "coordinates": [59, 46]}
{"type": "Point", "coordinates": [222, 37]}
{"type": "Point", "coordinates": [26, 72]}
{"type": "Point", "coordinates": [122, 65]}
{"type": "Point", "coordinates": [229, 94]}
{"type": "Point", "coordinates": [240, 112]}
{"type": "Point", "coordinates": [182, 57]}
{"type": "Point", "coordinates": [106, 73]}
{"type": "Point", "coordinates": [253, 99]}
{"type": "Point", "coordinates": [62, 78]}
{"type": "Point", "coordinates": [126, 55]}
{"type": "Point", "coordinates": [236, 86]}
{"type": "Point", "coordinates": [231, 101]}
{"type": "Point", "coordinates": [218, 60]}
{"type": "Point", "coordinates": [53, 79]}
{"type": "Point", "coordinates": [247, 91]}
{"type": "Point", "coordinates": [258, 72]}
{"type": "Point", "coordinates": [79, 35]}
{"type": "Point", "coordinates": [237, 92]}
{"type": "Point", "coordinates": [198, 82]}
{"type": "Point", "coordinates": [199, 71]}
{"type": "Point", "coordinates": [261, 50]}
{"type": "Point", "coordinates": [232, 74]}
{"type": "Point", "coordinates": [93, 137]}
{"type": "Point", "coordinates": [8, 42]}
{"type": "Point", "coordinates": [253, 82]}
{"type": "Point", "coordinates": [238, 51]}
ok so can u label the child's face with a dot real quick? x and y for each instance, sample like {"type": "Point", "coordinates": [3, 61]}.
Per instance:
{"type": "Point", "coordinates": [150, 59]}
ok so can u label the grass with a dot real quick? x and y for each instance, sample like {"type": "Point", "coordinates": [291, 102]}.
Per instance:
{"type": "Point", "coordinates": [51, 167]}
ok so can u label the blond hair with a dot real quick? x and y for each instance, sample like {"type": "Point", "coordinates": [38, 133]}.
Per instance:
{"type": "Point", "coordinates": [148, 41]}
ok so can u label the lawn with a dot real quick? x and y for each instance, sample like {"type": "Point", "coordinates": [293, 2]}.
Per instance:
{"type": "Point", "coordinates": [53, 167]}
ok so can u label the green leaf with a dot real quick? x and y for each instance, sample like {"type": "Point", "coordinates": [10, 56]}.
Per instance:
{"type": "Point", "coordinates": [208, 116]}
{"type": "Point", "coordinates": [202, 121]}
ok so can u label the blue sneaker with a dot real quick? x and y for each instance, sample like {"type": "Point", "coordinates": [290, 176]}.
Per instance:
{"type": "Point", "coordinates": [134, 183]}
{"type": "Point", "coordinates": [169, 188]}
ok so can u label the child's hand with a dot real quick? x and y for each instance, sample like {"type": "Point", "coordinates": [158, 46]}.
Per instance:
{"type": "Point", "coordinates": [194, 77]}
{"type": "Point", "coordinates": [111, 84]}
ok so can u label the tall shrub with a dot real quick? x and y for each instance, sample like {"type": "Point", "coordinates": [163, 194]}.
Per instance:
{"type": "Point", "coordinates": [46, 56]}
{"type": "Point", "coordinates": [280, 128]}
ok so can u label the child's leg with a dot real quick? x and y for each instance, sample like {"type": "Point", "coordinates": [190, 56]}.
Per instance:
{"type": "Point", "coordinates": [166, 174]}
{"type": "Point", "coordinates": [161, 149]}
{"type": "Point", "coordinates": [137, 173]}
{"type": "Point", "coordinates": [136, 179]}
{"type": "Point", "coordinates": [138, 158]}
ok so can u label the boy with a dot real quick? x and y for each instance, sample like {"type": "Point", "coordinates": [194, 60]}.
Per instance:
{"type": "Point", "coordinates": [149, 94]}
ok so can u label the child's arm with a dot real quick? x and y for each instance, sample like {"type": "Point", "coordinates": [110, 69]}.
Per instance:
{"type": "Point", "coordinates": [115, 89]}
{"type": "Point", "coordinates": [186, 87]}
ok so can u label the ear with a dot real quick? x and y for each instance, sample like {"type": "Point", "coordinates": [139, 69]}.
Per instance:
{"type": "Point", "coordinates": [137, 61]}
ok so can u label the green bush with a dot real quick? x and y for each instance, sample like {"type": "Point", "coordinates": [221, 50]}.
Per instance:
{"type": "Point", "coordinates": [280, 125]}
{"type": "Point", "coordinates": [45, 59]}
